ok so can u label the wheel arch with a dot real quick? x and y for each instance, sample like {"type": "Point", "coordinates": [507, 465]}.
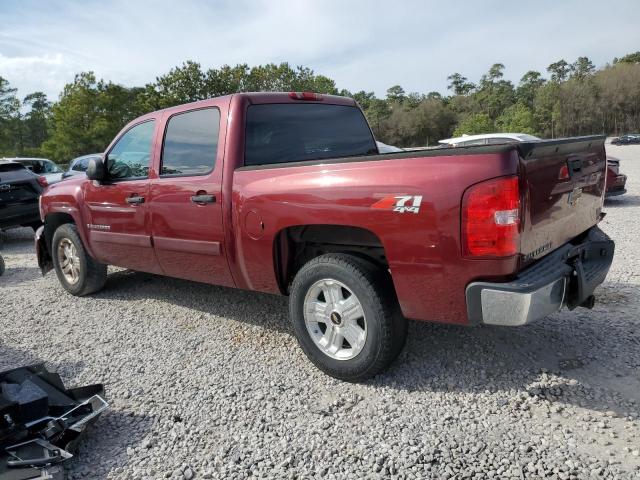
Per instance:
{"type": "Point", "coordinates": [54, 219]}
{"type": "Point", "coordinates": [293, 246]}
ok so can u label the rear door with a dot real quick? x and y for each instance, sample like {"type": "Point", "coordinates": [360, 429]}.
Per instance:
{"type": "Point", "coordinates": [565, 182]}
{"type": "Point", "coordinates": [186, 198]}
{"type": "Point", "coordinates": [118, 211]}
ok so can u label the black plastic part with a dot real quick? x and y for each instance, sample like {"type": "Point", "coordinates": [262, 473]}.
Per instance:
{"type": "Point", "coordinates": [32, 402]}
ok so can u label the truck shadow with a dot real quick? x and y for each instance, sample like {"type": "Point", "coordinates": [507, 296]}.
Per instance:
{"type": "Point", "coordinates": [580, 358]}
{"type": "Point", "coordinates": [115, 431]}
{"type": "Point", "coordinates": [622, 201]}
{"type": "Point", "coordinates": [585, 358]}
{"type": "Point", "coordinates": [260, 309]}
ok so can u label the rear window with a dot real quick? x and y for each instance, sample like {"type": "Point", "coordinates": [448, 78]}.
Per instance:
{"type": "Point", "coordinates": [11, 167]}
{"type": "Point", "coordinates": [282, 133]}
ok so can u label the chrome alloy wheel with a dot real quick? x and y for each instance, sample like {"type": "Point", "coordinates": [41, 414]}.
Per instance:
{"type": "Point", "coordinates": [69, 261]}
{"type": "Point", "coordinates": [335, 319]}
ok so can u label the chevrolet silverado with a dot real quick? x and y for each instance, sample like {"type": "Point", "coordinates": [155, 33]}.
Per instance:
{"type": "Point", "coordinates": [287, 193]}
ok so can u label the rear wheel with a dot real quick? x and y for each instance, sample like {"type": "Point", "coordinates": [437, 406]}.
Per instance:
{"type": "Point", "coordinates": [78, 273]}
{"type": "Point", "coordinates": [1, 265]}
{"type": "Point", "coordinates": [344, 316]}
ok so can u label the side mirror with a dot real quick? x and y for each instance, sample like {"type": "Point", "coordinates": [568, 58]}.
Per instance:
{"type": "Point", "coordinates": [96, 169]}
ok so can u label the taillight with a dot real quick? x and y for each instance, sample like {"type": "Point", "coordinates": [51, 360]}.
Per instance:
{"type": "Point", "coordinates": [311, 96]}
{"type": "Point", "coordinates": [491, 218]}
{"type": "Point", "coordinates": [43, 181]}
{"type": "Point", "coordinates": [564, 173]}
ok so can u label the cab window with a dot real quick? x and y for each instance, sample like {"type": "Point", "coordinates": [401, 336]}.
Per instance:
{"type": "Point", "coordinates": [130, 156]}
{"type": "Point", "coordinates": [191, 143]}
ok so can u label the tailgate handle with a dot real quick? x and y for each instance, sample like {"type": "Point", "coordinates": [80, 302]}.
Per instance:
{"type": "Point", "coordinates": [575, 166]}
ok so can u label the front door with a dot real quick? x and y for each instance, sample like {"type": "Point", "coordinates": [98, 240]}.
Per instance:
{"type": "Point", "coordinates": [186, 203]}
{"type": "Point", "coordinates": [118, 212]}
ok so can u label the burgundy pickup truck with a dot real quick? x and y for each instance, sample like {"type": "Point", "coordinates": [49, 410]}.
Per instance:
{"type": "Point", "coordinates": [288, 194]}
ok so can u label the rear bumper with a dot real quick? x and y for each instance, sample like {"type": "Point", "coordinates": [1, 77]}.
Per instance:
{"type": "Point", "coordinates": [566, 277]}
{"type": "Point", "coordinates": [617, 186]}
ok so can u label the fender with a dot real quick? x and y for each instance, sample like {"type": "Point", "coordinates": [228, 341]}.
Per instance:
{"type": "Point", "coordinates": [65, 197]}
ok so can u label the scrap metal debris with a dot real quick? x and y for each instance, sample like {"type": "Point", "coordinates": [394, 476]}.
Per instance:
{"type": "Point", "coordinates": [41, 422]}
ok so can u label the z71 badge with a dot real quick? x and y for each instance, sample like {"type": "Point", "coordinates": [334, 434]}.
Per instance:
{"type": "Point", "coordinates": [399, 203]}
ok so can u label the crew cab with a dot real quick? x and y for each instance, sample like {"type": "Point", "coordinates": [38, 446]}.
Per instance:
{"type": "Point", "coordinates": [287, 193]}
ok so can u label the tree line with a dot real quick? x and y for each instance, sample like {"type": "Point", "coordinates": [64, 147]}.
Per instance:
{"type": "Point", "coordinates": [571, 99]}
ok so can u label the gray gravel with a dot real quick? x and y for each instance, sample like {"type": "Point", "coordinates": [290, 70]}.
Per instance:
{"type": "Point", "coordinates": [208, 382]}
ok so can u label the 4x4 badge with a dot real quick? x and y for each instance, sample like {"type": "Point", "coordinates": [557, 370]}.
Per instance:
{"type": "Point", "coordinates": [399, 203]}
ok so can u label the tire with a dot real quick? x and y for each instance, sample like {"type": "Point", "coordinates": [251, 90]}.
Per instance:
{"type": "Point", "coordinates": [1, 265]}
{"type": "Point", "coordinates": [374, 332]}
{"type": "Point", "coordinates": [90, 276]}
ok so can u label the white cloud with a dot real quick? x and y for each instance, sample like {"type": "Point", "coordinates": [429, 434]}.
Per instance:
{"type": "Point", "coordinates": [45, 73]}
{"type": "Point", "coordinates": [368, 45]}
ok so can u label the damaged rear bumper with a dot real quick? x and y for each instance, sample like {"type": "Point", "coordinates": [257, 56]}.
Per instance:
{"type": "Point", "coordinates": [566, 277]}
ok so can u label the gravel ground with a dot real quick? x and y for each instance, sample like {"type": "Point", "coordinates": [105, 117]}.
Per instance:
{"type": "Point", "coordinates": [208, 382]}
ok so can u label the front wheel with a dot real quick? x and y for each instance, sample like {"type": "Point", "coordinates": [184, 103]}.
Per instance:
{"type": "Point", "coordinates": [78, 273]}
{"type": "Point", "coordinates": [344, 316]}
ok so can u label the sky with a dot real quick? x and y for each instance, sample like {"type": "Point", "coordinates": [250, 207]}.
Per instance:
{"type": "Point", "coordinates": [362, 45]}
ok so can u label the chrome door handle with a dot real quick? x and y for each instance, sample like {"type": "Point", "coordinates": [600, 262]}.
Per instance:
{"type": "Point", "coordinates": [134, 200]}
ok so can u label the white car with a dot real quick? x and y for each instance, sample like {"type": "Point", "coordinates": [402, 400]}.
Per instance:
{"type": "Point", "coordinates": [40, 166]}
{"type": "Point", "coordinates": [487, 139]}
{"type": "Point", "coordinates": [384, 148]}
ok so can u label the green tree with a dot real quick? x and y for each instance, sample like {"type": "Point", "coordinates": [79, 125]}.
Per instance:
{"type": "Point", "coordinates": [475, 123]}
{"type": "Point", "coordinates": [11, 138]}
{"type": "Point", "coordinates": [35, 121]}
{"type": "Point", "coordinates": [377, 113]}
{"type": "Point", "coordinates": [419, 125]}
{"type": "Point", "coordinates": [630, 58]}
{"type": "Point", "coordinates": [364, 99]}
{"type": "Point", "coordinates": [494, 94]}
{"type": "Point", "coordinates": [528, 87]}
{"type": "Point", "coordinates": [582, 68]}
{"type": "Point", "coordinates": [517, 118]}
{"type": "Point", "coordinates": [559, 70]}
{"type": "Point", "coordinates": [87, 116]}
{"type": "Point", "coordinates": [546, 108]}
{"type": "Point", "coordinates": [396, 94]}
{"type": "Point", "coordinates": [459, 84]}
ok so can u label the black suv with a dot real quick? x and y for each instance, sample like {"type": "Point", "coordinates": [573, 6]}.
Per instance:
{"type": "Point", "coordinates": [19, 193]}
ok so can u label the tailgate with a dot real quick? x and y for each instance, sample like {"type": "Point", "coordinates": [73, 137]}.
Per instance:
{"type": "Point", "coordinates": [564, 183]}
{"type": "Point", "coordinates": [16, 185]}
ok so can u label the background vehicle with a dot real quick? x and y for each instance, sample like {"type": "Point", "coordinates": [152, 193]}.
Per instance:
{"type": "Point", "coordinates": [78, 166]}
{"type": "Point", "coordinates": [384, 148]}
{"type": "Point", "coordinates": [19, 192]}
{"type": "Point", "coordinates": [487, 139]}
{"type": "Point", "coordinates": [293, 197]}
{"type": "Point", "coordinates": [41, 167]}
{"type": "Point", "coordinates": [627, 139]}
{"type": "Point", "coordinates": [616, 181]}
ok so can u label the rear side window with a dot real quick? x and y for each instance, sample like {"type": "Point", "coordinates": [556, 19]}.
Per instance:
{"type": "Point", "coordinates": [281, 133]}
{"type": "Point", "coordinates": [191, 143]}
